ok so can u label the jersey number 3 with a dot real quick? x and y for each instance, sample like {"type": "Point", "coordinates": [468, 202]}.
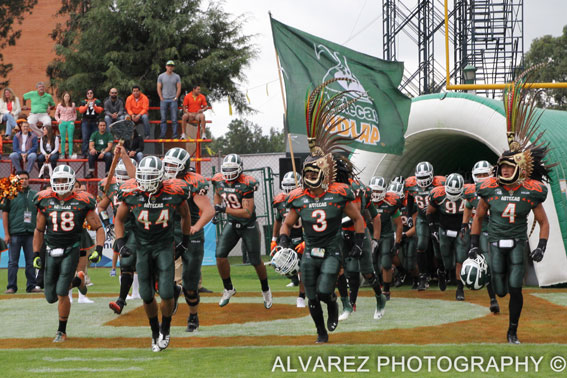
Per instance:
{"type": "Point", "coordinates": [321, 219]}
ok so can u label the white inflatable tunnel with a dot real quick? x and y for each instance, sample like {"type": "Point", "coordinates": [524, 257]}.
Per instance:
{"type": "Point", "coordinates": [453, 131]}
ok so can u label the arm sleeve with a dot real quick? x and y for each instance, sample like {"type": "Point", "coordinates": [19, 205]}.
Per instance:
{"type": "Point", "coordinates": [41, 148]}
{"type": "Point", "coordinates": [56, 146]}
{"type": "Point", "coordinates": [57, 113]}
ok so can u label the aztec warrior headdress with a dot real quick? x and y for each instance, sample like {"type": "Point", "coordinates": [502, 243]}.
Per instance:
{"type": "Point", "coordinates": [322, 113]}
{"type": "Point", "coordinates": [522, 116]}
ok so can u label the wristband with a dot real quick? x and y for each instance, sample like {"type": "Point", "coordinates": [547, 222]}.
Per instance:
{"type": "Point", "coordinates": [274, 238]}
{"type": "Point", "coordinates": [98, 248]}
{"type": "Point", "coordinates": [284, 241]}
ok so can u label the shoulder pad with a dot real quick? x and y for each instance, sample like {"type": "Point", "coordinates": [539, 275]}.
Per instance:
{"type": "Point", "coordinates": [193, 178]}
{"type": "Point", "coordinates": [247, 180]}
{"type": "Point", "coordinates": [338, 188]}
{"type": "Point", "coordinates": [490, 182]}
{"type": "Point", "coordinates": [438, 180]}
{"type": "Point", "coordinates": [279, 199]}
{"type": "Point", "coordinates": [437, 192]}
{"type": "Point", "coordinates": [84, 197]}
{"type": "Point", "coordinates": [296, 193]}
{"type": "Point", "coordinates": [47, 193]}
{"type": "Point", "coordinates": [392, 198]}
{"type": "Point", "coordinates": [175, 186]}
{"type": "Point", "coordinates": [534, 185]}
{"type": "Point", "coordinates": [218, 177]}
{"type": "Point", "coordinates": [129, 187]}
{"type": "Point", "coordinates": [410, 181]}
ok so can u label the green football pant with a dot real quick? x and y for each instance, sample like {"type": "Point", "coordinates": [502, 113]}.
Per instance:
{"type": "Point", "coordinates": [410, 253]}
{"type": "Point", "coordinates": [364, 263]}
{"type": "Point", "coordinates": [319, 275]}
{"type": "Point", "coordinates": [192, 260]}
{"type": "Point", "coordinates": [423, 236]}
{"type": "Point", "coordinates": [86, 240]}
{"type": "Point", "coordinates": [383, 258]}
{"type": "Point", "coordinates": [507, 267]}
{"type": "Point", "coordinates": [155, 262]}
{"type": "Point", "coordinates": [250, 238]}
{"type": "Point", "coordinates": [452, 248]}
{"type": "Point", "coordinates": [59, 272]}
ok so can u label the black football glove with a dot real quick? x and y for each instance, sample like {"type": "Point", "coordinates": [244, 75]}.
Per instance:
{"type": "Point", "coordinates": [37, 263]}
{"type": "Point", "coordinates": [284, 241]}
{"type": "Point", "coordinates": [182, 247]}
{"type": "Point", "coordinates": [464, 229]}
{"type": "Point", "coordinates": [537, 254]}
{"type": "Point", "coordinates": [96, 256]}
{"type": "Point", "coordinates": [395, 249]}
{"type": "Point", "coordinates": [356, 251]}
{"type": "Point", "coordinates": [220, 208]}
{"type": "Point", "coordinates": [120, 247]}
{"type": "Point", "coordinates": [404, 238]}
{"type": "Point", "coordinates": [474, 251]}
{"type": "Point", "coordinates": [215, 219]}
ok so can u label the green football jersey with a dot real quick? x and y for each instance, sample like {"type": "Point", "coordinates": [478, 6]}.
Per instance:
{"type": "Point", "coordinates": [233, 192]}
{"type": "Point", "coordinates": [111, 193]}
{"type": "Point", "coordinates": [387, 208]}
{"type": "Point", "coordinates": [420, 196]}
{"type": "Point", "coordinates": [279, 204]}
{"type": "Point", "coordinates": [154, 214]}
{"type": "Point", "coordinates": [358, 190]}
{"type": "Point", "coordinates": [321, 216]}
{"type": "Point", "coordinates": [367, 204]}
{"type": "Point", "coordinates": [450, 212]}
{"type": "Point", "coordinates": [471, 199]}
{"type": "Point", "coordinates": [510, 206]}
{"type": "Point", "coordinates": [65, 217]}
{"type": "Point", "coordinates": [198, 185]}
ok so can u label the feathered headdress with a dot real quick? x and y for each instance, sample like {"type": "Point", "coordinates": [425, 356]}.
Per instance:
{"type": "Point", "coordinates": [322, 116]}
{"type": "Point", "coordinates": [522, 117]}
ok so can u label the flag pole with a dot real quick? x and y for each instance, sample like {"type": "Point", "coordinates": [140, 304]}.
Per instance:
{"type": "Point", "coordinates": [279, 73]}
{"type": "Point", "coordinates": [292, 159]}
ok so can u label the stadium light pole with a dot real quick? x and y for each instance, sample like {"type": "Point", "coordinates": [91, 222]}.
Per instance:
{"type": "Point", "coordinates": [469, 73]}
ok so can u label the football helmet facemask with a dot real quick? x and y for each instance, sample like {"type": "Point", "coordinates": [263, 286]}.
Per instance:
{"type": "Point", "coordinates": [149, 174]}
{"type": "Point", "coordinates": [378, 186]}
{"type": "Point", "coordinates": [424, 174]}
{"type": "Point", "coordinates": [63, 179]}
{"type": "Point", "coordinates": [231, 167]}
{"type": "Point", "coordinates": [285, 261]}
{"type": "Point", "coordinates": [397, 188]}
{"type": "Point", "coordinates": [454, 187]}
{"type": "Point", "coordinates": [175, 161]}
{"type": "Point", "coordinates": [289, 182]}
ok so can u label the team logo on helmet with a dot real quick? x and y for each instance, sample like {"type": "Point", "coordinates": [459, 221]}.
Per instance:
{"type": "Point", "coordinates": [175, 161]}
{"type": "Point", "coordinates": [285, 261]}
{"type": "Point", "coordinates": [63, 179]}
{"type": "Point", "coordinates": [481, 168]}
{"type": "Point", "coordinates": [378, 186]}
{"type": "Point", "coordinates": [454, 187]}
{"type": "Point", "coordinates": [397, 188]}
{"type": "Point", "coordinates": [231, 167]}
{"type": "Point", "coordinates": [290, 181]}
{"type": "Point", "coordinates": [149, 174]}
{"type": "Point", "coordinates": [424, 174]}
{"type": "Point", "coordinates": [474, 273]}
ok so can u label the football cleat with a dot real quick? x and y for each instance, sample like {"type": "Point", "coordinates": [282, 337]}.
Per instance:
{"type": "Point", "coordinates": [512, 337]}
{"type": "Point", "coordinates": [163, 341]}
{"type": "Point", "coordinates": [347, 309]}
{"type": "Point", "coordinates": [84, 299]}
{"type": "Point", "coordinates": [380, 307]}
{"type": "Point", "coordinates": [322, 338]}
{"type": "Point", "coordinates": [300, 302]}
{"type": "Point", "coordinates": [155, 345]}
{"type": "Point", "coordinates": [267, 295]}
{"type": "Point", "coordinates": [113, 273]}
{"type": "Point", "coordinates": [226, 295]}
{"type": "Point", "coordinates": [83, 286]}
{"type": "Point", "coordinates": [59, 337]}
{"type": "Point", "coordinates": [192, 323]}
{"type": "Point", "coordinates": [415, 284]}
{"type": "Point", "coordinates": [176, 293]}
{"type": "Point", "coordinates": [494, 307]}
{"type": "Point", "coordinates": [291, 284]}
{"type": "Point", "coordinates": [460, 294]}
{"type": "Point", "coordinates": [399, 281]}
{"type": "Point", "coordinates": [422, 283]}
{"type": "Point", "coordinates": [117, 306]}
{"type": "Point", "coordinates": [333, 316]}
{"type": "Point", "coordinates": [442, 279]}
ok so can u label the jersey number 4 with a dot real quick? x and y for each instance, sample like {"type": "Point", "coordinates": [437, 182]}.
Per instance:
{"type": "Point", "coordinates": [67, 221]}
{"type": "Point", "coordinates": [510, 212]}
{"type": "Point", "coordinates": [163, 218]}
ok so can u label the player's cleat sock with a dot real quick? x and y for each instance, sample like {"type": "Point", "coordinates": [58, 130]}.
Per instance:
{"type": "Point", "coordinates": [163, 341]}
{"type": "Point", "coordinates": [62, 326]}
{"type": "Point", "coordinates": [227, 283]}
{"type": "Point", "coordinates": [515, 306]}
{"type": "Point", "coordinates": [264, 283]}
{"type": "Point", "coordinates": [154, 325]}
{"type": "Point", "coordinates": [332, 314]}
{"type": "Point", "coordinates": [302, 295]}
{"type": "Point", "coordinates": [380, 306]}
{"type": "Point", "coordinates": [442, 277]}
{"type": "Point", "coordinates": [386, 295]}
{"type": "Point", "coordinates": [82, 283]}
{"type": "Point", "coordinates": [125, 284]}
{"type": "Point", "coordinates": [192, 323]}
{"type": "Point", "coordinates": [387, 286]}
{"type": "Point", "coordinates": [136, 287]}
{"type": "Point", "coordinates": [342, 286]}
{"type": "Point", "coordinates": [460, 293]}
{"type": "Point", "coordinates": [354, 284]}
{"type": "Point", "coordinates": [317, 315]}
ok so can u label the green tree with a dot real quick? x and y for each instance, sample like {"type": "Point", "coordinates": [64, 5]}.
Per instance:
{"type": "Point", "coordinates": [119, 43]}
{"type": "Point", "coordinates": [245, 137]}
{"type": "Point", "coordinates": [11, 12]}
{"type": "Point", "coordinates": [550, 50]}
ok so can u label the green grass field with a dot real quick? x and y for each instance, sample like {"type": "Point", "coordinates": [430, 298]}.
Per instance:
{"type": "Point", "coordinates": [29, 318]}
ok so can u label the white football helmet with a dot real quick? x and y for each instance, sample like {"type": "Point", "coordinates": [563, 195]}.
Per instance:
{"type": "Point", "coordinates": [481, 167]}
{"type": "Point", "coordinates": [289, 183]}
{"type": "Point", "coordinates": [378, 186]}
{"type": "Point", "coordinates": [176, 160]}
{"type": "Point", "coordinates": [149, 174]}
{"type": "Point", "coordinates": [121, 173]}
{"type": "Point", "coordinates": [454, 187]}
{"type": "Point", "coordinates": [63, 179]}
{"type": "Point", "coordinates": [424, 174]}
{"type": "Point", "coordinates": [231, 167]}
{"type": "Point", "coordinates": [285, 261]}
{"type": "Point", "coordinates": [397, 188]}
{"type": "Point", "coordinates": [474, 273]}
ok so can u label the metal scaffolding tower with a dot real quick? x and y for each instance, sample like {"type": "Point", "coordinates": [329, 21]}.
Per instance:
{"type": "Point", "coordinates": [486, 34]}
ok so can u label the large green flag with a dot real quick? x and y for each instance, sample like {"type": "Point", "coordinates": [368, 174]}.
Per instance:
{"type": "Point", "coordinates": [380, 116]}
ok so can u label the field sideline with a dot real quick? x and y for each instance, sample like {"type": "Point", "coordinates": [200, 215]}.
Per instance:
{"type": "Point", "coordinates": [250, 340]}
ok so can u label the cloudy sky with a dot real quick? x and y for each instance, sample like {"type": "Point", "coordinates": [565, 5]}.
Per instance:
{"type": "Point", "coordinates": [356, 24]}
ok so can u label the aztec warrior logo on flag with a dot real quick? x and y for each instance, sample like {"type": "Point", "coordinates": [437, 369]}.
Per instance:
{"type": "Point", "coordinates": [379, 116]}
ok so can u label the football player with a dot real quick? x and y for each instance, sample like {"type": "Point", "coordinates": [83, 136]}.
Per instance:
{"type": "Point", "coordinates": [418, 188]}
{"type": "Point", "coordinates": [448, 202]}
{"type": "Point", "coordinates": [481, 171]}
{"type": "Point", "coordinates": [234, 195]}
{"type": "Point", "coordinates": [320, 206]}
{"type": "Point", "coordinates": [510, 197]}
{"type": "Point", "coordinates": [176, 164]}
{"type": "Point", "coordinates": [153, 202]}
{"type": "Point", "coordinates": [388, 205]}
{"type": "Point", "coordinates": [60, 217]}
{"type": "Point", "coordinates": [290, 181]}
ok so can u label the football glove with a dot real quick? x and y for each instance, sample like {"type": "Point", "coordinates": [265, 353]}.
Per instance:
{"type": "Point", "coordinates": [435, 236]}
{"type": "Point", "coordinates": [356, 251]}
{"type": "Point", "coordinates": [96, 256]}
{"type": "Point", "coordinates": [300, 248]}
{"type": "Point", "coordinates": [537, 254]}
{"type": "Point", "coordinates": [37, 263]}
{"type": "Point", "coordinates": [182, 247]}
{"type": "Point", "coordinates": [395, 249]}
{"type": "Point", "coordinates": [464, 229]}
{"type": "Point", "coordinates": [284, 241]}
{"type": "Point", "coordinates": [474, 252]}
{"type": "Point", "coordinates": [215, 219]}
{"type": "Point", "coordinates": [121, 248]}
{"type": "Point", "coordinates": [273, 245]}
{"type": "Point", "coordinates": [220, 208]}
{"type": "Point", "coordinates": [374, 245]}
{"type": "Point", "coordinates": [404, 238]}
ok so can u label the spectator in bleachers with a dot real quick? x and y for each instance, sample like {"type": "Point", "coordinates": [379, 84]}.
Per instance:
{"type": "Point", "coordinates": [135, 146]}
{"type": "Point", "coordinates": [66, 115]}
{"type": "Point", "coordinates": [48, 151]}
{"type": "Point", "coordinates": [168, 89]}
{"type": "Point", "coordinates": [90, 108]}
{"type": "Point", "coordinates": [41, 104]}
{"type": "Point", "coordinates": [9, 110]}
{"type": "Point", "coordinates": [25, 148]}
{"type": "Point", "coordinates": [100, 148]}
{"type": "Point", "coordinates": [194, 106]}
{"type": "Point", "coordinates": [113, 108]}
{"type": "Point", "coordinates": [19, 218]}
{"type": "Point", "coordinates": [137, 106]}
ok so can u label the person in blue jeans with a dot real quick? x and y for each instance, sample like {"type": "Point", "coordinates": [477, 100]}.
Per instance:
{"type": "Point", "coordinates": [18, 217]}
{"type": "Point", "coordinates": [24, 147]}
{"type": "Point", "coordinates": [90, 108]}
{"type": "Point", "coordinates": [168, 89]}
